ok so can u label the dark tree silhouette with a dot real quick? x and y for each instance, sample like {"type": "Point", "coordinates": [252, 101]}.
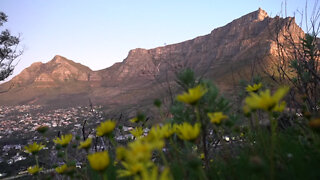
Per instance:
{"type": "Point", "coordinates": [8, 49]}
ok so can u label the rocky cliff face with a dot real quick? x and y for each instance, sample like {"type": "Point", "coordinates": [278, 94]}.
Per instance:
{"type": "Point", "coordinates": [248, 38]}
{"type": "Point", "coordinates": [229, 48]}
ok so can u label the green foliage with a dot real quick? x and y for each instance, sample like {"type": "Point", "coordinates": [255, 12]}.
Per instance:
{"type": "Point", "coordinates": [181, 113]}
{"type": "Point", "coordinates": [8, 49]}
{"type": "Point", "coordinates": [212, 101]}
{"type": "Point", "coordinates": [306, 75]}
{"type": "Point", "coordinates": [186, 79]}
{"type": "Point", "coordinates": [294, 160]}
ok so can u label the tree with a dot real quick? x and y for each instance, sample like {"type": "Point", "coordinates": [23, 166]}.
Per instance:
{"type": "Point", "coordinates": [298, 61]}
{"type": "Point", "coordinates": [8, 49]}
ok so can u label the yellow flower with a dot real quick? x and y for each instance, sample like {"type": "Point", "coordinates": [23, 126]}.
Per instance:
{"type": "Point", "coordinates": [137, 132]}
{"type": "Point", "coordinates": [241, 134]}
{"type": "Point", "coordinates": [106, 128]}
{"type": "Point", "coordinates": [138, 154]}
{"type": "Point", "coordinates": [139, 151]}
{"type": "Point", "coordinates": [34, 148]}
{"type": "Point", "coordinates": [120, 153]}
{"type": "Point", "coordinates": [61, 169]}
{"type": "Point", "coordinates": [139, 118]}
{"type": "Point", "coordinates": [217, 117]}
{"type": "Point", "coordinates": [134, 120]}
{"type": "Point", "coordinates": [130, 169]}
{"type": "Point", "coordinates": [99, 161]}
{"type": "Point", "coordinates": [315, 123]}
{"type": "Point", "coordinates": [193, 95]}
{"type": "Point", "coordinates": [64, 140]}
{"type": "Point", "coordinates": [188, 132]}
{"type": "Point", "coordinates": [34, 169]}
{"type": "Point", "coordinates": [150, 142]}
{"type": "Point", "coordinates": [153, 174]}
{"type": "Point", "coordinates": [246, 110]}
{"type": "Point", "coordinates": [254, 88]}
{"type": "Point", "coordinates": [85, 144]}
{"type": "Point", "coordinates": [164, 131]}
{"type": "Point", "coordinates": [42, 129]}
{"type": "Point", "coordinates": [202, 156]}
{"type": "Point", "coordinates": [280, 107]}
{"type": "Point", "coordinates": [264, 100]}
{"type": "Point", "coordinates": [154, 142]}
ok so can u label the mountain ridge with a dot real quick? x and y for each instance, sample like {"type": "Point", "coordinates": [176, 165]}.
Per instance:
{"type": "Point", "coordinates": [144, 73]}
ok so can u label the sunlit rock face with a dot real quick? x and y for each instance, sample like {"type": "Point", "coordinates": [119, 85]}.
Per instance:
{"type": "Point", "coordinates": [145, 73]}
{"type": "Point", "coordinates": [58, 70]}
{"type": "Point", "coordinates": [65, 70]}
{"type": "Point", "coordinates": [43, 77]}
{"type": "Point", "coordinates": [247, 38]}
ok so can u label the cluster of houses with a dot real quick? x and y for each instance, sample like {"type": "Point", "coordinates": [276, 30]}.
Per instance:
{"type": "Point", "coordinates": [26, 118]}
{"type": "Point", "coordinates": [18, 126]}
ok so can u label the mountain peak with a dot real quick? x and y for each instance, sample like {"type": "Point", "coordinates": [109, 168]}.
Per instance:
{"type": "Point", "coordinates": [137, 51]}
{"type": "Point", "coordinates": [255, 16]}
{"type": "Point", "coordinates": [36, 64]}
{"type": "Point", "coordinates": [261, 14]}
{"type": "Point", "coordinates": [59, 59]}
{"type": "Point", "coordinates": [258, 15]}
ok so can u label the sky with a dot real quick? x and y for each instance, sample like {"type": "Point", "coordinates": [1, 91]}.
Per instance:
{"type": "Point", "coordinates": [98, 33]}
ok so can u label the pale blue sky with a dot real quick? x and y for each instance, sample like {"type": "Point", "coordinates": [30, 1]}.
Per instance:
{"type": "Point", "coordinates": [98, 33]}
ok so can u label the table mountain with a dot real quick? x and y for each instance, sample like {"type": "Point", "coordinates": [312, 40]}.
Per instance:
{"type": "Point", "coordinates": [146, 74]}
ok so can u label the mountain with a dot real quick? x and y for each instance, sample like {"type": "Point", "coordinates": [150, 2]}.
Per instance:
{"type": "Point", "coordinates": [147, 74]}
{"type": "Point", "coordinates": [58, 70]}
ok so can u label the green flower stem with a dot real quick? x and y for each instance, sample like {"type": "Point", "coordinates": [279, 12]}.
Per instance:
{"type": "Point", "coordinates": [203, 174]}
{"type": "Point", "coordinates": [163, 157]}
{"type": "Point", "coordinates": [113, 142]}
{"type": "Point", "coordinates": [188, 147]}
{"type": "Point", "coordinates": [204, 142]}
{"type": "Point", "coordinates": [198, 113]}
{"type": "Point", "coordinates": [79, 172]}
{"type": "Point", "coordinates": [258, 132]}
{"type": "Point", "coordinates": [256, 123]}
{"type": "Point", "coordinates": [273, 125]}
{"type": "Point", "coordinates": [104, 139]}
{"type": "Point", "coordinates": [162, 117]}
{"type": "Point", "coordinates": [315, 138]}
{"type": "Point", "coordinates": [37, 161]}
{"type": "Point", "coordinates": [174, 146]}
{"type": "Point", "coordinates": [251, 123]}
{"type": "Point", "coordinates": [103, 176]}
{"type": "Point", "coordinates": [87, 162]}
{"type": "Point", "coordinates": [204, 135]}
{"type": "Point", "coordinates": [66, 154]}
